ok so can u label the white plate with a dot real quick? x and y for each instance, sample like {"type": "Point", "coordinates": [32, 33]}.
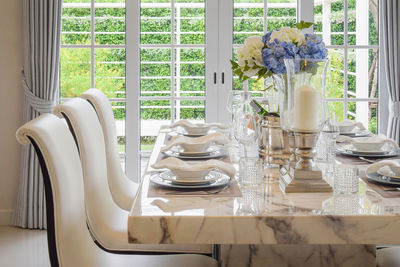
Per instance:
{"type": "Point", "coordinates": [386, 171]}
{"type": "Point", "coordinates": [356, 133]}
{"type": "Point", "coordinates": [209, 178]}
{"type": "Point", "coordinates": [212, 155]}
{"type": "Point", "coordinates": [352, 149]}
{"type": "Point", "coordinates": [209, 150]}
{"type": "Point", "coordinates": [221, 181]}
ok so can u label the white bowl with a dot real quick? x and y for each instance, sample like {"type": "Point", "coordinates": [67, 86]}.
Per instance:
{"type": "Point", "coordinates": [197, 130]}
{"type": "Point", "coordinates": [195, 147]}
{"type": "Point", "coordinates": [190, 174]}
{"type": "Point", "coordinates": [367, 146]}
{"type": "Point", "coordinates": [346, 128]}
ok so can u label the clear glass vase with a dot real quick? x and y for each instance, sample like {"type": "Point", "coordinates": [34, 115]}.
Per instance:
{"type": "Point", "coordinates": [303, 108]}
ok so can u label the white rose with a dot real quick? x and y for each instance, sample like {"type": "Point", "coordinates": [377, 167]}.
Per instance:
{"type": "Point", "coordinates": [251, 52]}
{"type": "Point", "coordinates": [289, 35]}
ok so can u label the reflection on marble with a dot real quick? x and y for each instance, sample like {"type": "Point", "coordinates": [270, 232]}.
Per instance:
{"type": "Point", "coordinates": [298, 255]}
{"type": "Point", "coordinates": [264, 215]}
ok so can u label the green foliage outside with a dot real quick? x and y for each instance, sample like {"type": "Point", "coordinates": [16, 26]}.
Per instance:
{"type": "Point", "coordinates": [110, 62]}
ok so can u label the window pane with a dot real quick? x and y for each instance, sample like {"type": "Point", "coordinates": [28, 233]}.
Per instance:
{"type": "Point", "coordinates": [75, 24]}
{"type": "Point", "coordinates": [110, 71]}
{"type": "Point", "coordinates": [329, 17]}
{"type": "Point", "coordinates": [281, 13]}
{"type": "Point", "coordinates": [365, 112]}
{"type": "Point", "coordinates": [190, 110]}
{"type": "Point", "coordinates": [155, 23]}
{"type": "Point", "coordinates": [248, 19]}
{"type": "Point", "coordinates": [335, 76]}
{"type": "Point", "coordinates": [363, 22]}
{"type": "Point", "coordinates": [189, 22]}
{"type": "Point", "coordinates": [109, 24]}
{"type": "Point", "coordinates": [74, 71]}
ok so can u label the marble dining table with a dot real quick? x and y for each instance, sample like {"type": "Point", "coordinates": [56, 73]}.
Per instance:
{"type": "Point", "coordinates": [266, 227]}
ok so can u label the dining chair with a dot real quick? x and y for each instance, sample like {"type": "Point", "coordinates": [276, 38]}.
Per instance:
{"type": "Point", "coordinates": [388, 257]}
{"type": "Point", "coordinates": [123, 189]}
{"type": "Point", "coordinates": [69, 241]}
{"type": "Point", "coordinates": [106, 220]}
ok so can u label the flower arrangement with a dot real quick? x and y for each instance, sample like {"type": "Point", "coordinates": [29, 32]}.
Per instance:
{"type": "Point", "coordinates": [263, 56]}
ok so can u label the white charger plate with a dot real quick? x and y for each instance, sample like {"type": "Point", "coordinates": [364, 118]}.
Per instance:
{"type": "Point", "coordinates": [221, 181]}
{"type": "Point", "coordinates": [212, 155]}
{"type": "Point", "coordinates": [386, 171]}
{"type": "Point", "coordinates": [212, 176]}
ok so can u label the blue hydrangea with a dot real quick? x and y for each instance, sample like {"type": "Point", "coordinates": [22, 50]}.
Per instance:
{"type": "Point", "coordinates": [313, 48]}
{"type": "Point", "coordinates": [273, 56]}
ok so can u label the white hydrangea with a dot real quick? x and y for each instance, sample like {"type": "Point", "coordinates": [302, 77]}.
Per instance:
{"type": "Point", "coordinates": [251, 52]}
{"type": "Point", "coordinates": [286, 34]}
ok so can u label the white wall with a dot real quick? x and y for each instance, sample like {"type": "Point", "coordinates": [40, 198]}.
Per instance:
{"type": "Point", "coordinates": [10, 103]}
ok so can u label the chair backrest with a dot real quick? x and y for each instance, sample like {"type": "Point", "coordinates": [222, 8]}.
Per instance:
{"type": "Point", "coordinates": [121, 188]}
{"type": "Point", "coordinates": [103, 214]}
{"type": "Point", "coordinates": [69, 241]}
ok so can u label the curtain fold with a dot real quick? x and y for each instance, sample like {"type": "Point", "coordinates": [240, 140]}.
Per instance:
{"type": "Point", "coordinates": [389, 19]}
{"type": "Point", "coordinates": [42, 35]}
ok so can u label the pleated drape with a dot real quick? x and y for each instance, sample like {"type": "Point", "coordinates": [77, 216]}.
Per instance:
{"type": "Point", "coordinates": [42, 31]}
{"type": "Point", "coordinates": [389, 18]}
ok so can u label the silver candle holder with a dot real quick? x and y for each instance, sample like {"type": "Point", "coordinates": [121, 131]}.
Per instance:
{"type": "Point", "coordinates": [304, 176]}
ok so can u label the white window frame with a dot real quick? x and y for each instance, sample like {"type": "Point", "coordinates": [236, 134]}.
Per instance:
{"type": "Point", "coordinates": [133, 94]}
{"type": "Point", "coordinates": [361, 62]}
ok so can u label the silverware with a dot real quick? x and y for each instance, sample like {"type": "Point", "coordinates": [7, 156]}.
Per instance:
{"type": "Point", "coordinates": [392, 189]}
{"type": "Point", "coordinates": [367, 160]}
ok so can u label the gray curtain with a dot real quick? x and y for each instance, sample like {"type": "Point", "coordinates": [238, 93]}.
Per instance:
{"type": "Point", "coordinates": [389, 17]}
{"type": "Point", "coordinates": [42, 31]}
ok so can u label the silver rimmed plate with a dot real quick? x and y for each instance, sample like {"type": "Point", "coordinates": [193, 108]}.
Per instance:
{"type": "Point", "coordinates": [181, 152]}
{"type": "Point", "coordinates": [392, 153]}
{"type": "Point", "coordinates": [211, 177]}
{"type": "Point", "coordinates": [376, 177]}
{"type": "Point", "coordinates": [386, 171]}
{"type": "Point", "coordinates": [385, 149]}
{"type": "Point", "coordinates": [356, 133]}
{"type": "Point", "coordinates": [212, 155]}
{"type": "Point", "coordinates": [221, 181]}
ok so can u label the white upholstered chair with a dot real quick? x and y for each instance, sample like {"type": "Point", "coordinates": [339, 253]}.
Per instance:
{"type": "Point", "coordinates": [122, 189]}
{"type": "Point", "coordinates": [107, 221]}
{"type": "Point", "coordinates": [69, 240]}
{"type": "Point", "coordinates": [388, 257]}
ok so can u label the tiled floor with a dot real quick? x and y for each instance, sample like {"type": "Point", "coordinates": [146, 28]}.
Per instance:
{"type": "Point", "coordinates": [23, 248]}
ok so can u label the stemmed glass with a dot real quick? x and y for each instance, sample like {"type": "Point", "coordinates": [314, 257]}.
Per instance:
{"type": "Point", "coordinates": [245, 126]}
{"type": "Point", "coordinates": [329, 134]}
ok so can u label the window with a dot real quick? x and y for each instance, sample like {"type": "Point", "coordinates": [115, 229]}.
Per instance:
{"type": "Point", "coordinates": [349, 28]}
{"type": "Point", "coordinates": [93, 54]}
{"type": "Point", "coordinates": [163, 60]}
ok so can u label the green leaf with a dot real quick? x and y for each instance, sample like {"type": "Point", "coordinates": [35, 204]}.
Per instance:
{"type": "Point", "coordinates": [303, 25]}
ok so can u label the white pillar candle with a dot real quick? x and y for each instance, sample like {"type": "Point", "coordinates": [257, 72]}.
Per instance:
{"type": "Point", "coordinates": [246, 86]}
{"type": "Point", "coordinates": [306, 108]}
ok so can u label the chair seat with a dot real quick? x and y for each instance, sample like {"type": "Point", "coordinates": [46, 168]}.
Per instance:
{"type": "Point", "coordinates": [388, 257]}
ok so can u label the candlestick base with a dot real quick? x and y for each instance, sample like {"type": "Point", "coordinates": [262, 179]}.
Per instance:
{"type": "Point", "coordinates": [304, 176]}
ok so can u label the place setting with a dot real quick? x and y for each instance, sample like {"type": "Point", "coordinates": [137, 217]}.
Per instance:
{"type": "Point", "coordinates": [177, 177]}
{"type": "Point", "coordinates": [209, 146]}
{"type": "Point", "coordinates": [375, 146]}
{"type": "Point", "coordinates": [352, 128]}
{"type": "Point", "coordinates": [190, 129]}
{"type": "Point", "coordinates": [384, 177]}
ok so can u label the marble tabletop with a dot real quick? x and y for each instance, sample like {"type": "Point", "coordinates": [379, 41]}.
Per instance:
{"type": "Point", "coordinates": [263, 215]}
